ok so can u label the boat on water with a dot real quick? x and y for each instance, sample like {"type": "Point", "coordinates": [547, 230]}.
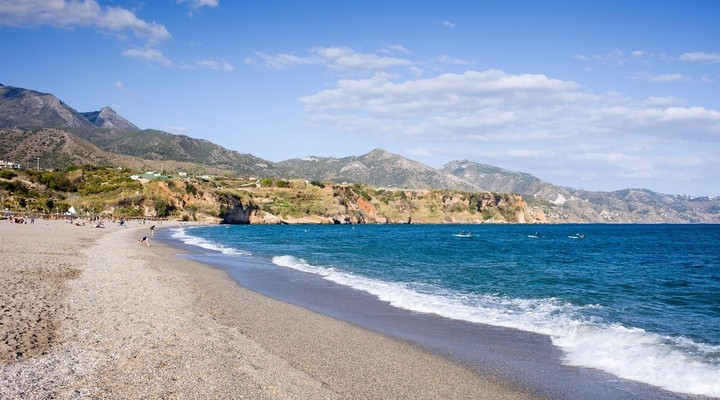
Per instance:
{"type": "Point", "coordinates": [577, 236]}
{"type": "Point", "coordinates": [534, 235]}
{"type": "Point", "coordinates": [464, 234]}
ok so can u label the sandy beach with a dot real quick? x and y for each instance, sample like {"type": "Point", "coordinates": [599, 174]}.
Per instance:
{"type": "Point", "coordinates": [92, 313]}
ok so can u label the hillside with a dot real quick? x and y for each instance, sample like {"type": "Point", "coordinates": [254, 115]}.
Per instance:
{"type": "Point", "coordinates": [56, 148]}
{"type": "Point", "coordinates": [377, 168]}
{"type": "Point", "coordinates": [158, 145]}
{"type": "Point", "coordinates": [112, 193]}
{"type": "Point", "coordinates": [37, 129]}
{"type": "Point", "coordinates": [29, 111]}
{"type": "Point", "coordinates": [495, 179]}
{"type": "Point", "coordinates": [564, 204]}
{"type": "Point", "coordinates": [52, 148]}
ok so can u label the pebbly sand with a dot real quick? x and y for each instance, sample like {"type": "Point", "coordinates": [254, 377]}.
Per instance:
{"type": "Point", "coordinates": [91, 313]}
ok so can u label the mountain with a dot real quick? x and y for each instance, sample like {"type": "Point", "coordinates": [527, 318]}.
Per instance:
{"type": "Point", "coordinates": [158, 145]}
{"type": "Point", "coordinates": [107, 118]}
{"type": "Point", "coordinates": [495, 179]}
{"type": "Point", "coordinates": [575, 205]}
{"type": "Point", "coordinates": [559, 204]}
{"type": "Point", "coordinates": [378, 168]}
{"type": "Point", "coordinates": [52, 148]}
{"type": "Point", "coordinates": [29, 110]}
{"type": "Point", "coordinates": [39, 128]}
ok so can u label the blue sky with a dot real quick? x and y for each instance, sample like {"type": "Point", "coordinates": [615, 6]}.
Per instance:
{"type": "Point", "coordinates": [598, 95]}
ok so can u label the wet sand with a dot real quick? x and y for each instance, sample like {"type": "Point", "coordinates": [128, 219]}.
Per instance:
{"type": "Point", "coordinates": [92, 313]}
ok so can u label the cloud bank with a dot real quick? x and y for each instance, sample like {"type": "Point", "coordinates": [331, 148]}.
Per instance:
{"type": "Point", "coordinates": [78, 14]}
{"type": "Point", "coordinates": [494, 105]}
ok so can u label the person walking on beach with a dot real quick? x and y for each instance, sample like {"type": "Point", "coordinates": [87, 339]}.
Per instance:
{"type": "Point", "coordinates": [152, 230]}
{"type": "Point", "coordinates": [145, 239]}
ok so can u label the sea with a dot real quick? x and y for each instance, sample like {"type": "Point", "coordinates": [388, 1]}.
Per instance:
{"type": "Point", "coordinates": [579, 311]}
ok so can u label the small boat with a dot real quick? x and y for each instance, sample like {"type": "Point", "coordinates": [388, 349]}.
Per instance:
{"type": "Point", "coordinates": [577, 236]}
{"type": "Point", "coordinates": [464, 234]}
{"type": "Point", "coordinates": [534, 236]}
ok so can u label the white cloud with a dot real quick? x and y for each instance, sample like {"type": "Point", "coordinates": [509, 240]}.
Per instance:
{"type": "Point", "coordinates": [216, 65]}
{"type": "Point", "coordinates": [661, 77]}
{"type": "Point", "coordinates": [445, 94]}
{"type": "Point", "coordinates": [152, 55]}
{"type": "Point", "coordinates": [615, 57]}
{"type": "Point", "coordinates": [343, 58]}
{"type": "Point", "coordinates": [279, 61]}
{"type": "Point", "coordinates": [619, 58]}
{"type": "Point", "coordinates": [496, 107]}
{"type": "Point", "coordinates": [700, 57]}
{"type": "Point", "coordinates": [196, 5]}
{"type": "Point", "coordinates": [443, 59]}
{"type": "Point", "coordinates": [661, 102]}
{"type": "Point", "coordinates": [71, 14]}
{"type": "Point", "coordinates": [346, 58]}
{"type": "Point", "coordinates": [627, 165]}
{"type": "Point", "coordinates": [447, 24]}
{"type": "Point", "coordinates": [119, 86]}
{"type": "Point", "coordinates": [78, 14]}
{"type": "Point", "coordinates": [201, 3]}
{"type": "Point", "coordinates": [394, 48]}
{"type": "Point", "coordinates": [581, 57]}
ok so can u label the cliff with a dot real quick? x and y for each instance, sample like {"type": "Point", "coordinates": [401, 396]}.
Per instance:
{"type": "Point", "coordinates": [303, 202]}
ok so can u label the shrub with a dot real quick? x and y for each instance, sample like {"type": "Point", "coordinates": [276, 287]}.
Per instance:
{"type": "Point", "coordinates": [163, 208]}
{"type": "Point", "coordinates": [7, 174]}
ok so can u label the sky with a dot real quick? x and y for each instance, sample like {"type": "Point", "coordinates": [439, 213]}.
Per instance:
{"type": "Point", "coordinates": [596, 95]}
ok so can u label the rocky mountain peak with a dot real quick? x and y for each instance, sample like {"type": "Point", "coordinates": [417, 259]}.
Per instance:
{"type": "Point", "coordinates": [380, 154]}
{"type": "Point", "coordinates": [107, 118]}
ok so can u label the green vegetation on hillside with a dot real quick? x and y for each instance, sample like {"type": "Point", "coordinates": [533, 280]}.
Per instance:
{"type": "Point", "coordinates": [112, 192]}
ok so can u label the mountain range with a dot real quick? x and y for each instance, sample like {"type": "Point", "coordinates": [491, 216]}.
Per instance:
{"type": "Point", "coordinates": [39, 130]}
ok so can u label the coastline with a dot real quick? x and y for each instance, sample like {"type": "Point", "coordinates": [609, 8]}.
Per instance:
{"type": "Point", "coordinates": [137, 321]}
{"type": "Point", "coordinates": [525, 359]}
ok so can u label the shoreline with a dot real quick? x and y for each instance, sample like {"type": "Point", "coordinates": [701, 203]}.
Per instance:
{"type": "Point", "coordinates": [524, 359]}
{"type": "Point", "coordinates": [137, 321]}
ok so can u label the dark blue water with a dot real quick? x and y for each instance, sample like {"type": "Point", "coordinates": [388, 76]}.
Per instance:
{"type": "Point", "coordinates": [638, 301]}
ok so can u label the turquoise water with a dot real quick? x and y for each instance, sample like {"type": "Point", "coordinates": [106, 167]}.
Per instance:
{"type": "Point", "coordinates": [638, 301]}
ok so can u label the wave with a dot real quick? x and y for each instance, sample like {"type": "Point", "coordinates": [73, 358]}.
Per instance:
{"type": "Point", "coordinates": [182, 235]}
{"type": "Point", "coordinates": [675, 364]}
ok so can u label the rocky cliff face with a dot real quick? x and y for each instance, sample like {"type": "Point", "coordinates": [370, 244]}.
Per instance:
{"type": "Point", "coordinates": [358, 204]}
{"type": "Point", "coordinates": [234, 209]}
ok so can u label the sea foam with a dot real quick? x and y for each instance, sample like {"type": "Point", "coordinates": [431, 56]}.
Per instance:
{"type": "Point", "coordinates": [182, 235]}
{"type": "Point", "coordinates": [676, 364]}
